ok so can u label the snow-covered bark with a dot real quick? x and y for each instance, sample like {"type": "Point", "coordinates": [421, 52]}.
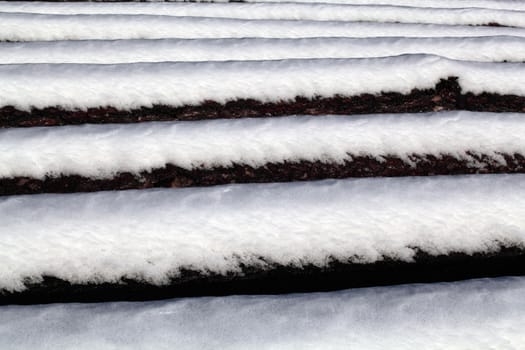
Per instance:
{"type": "Point", "coordinates": [284, 11]}
{"type": "Point", "coordinates": [128, 86]}
{"type": "Point", "coordinates": [101, 151]}
{"type": "Point", "coordinates": [149, 235]}
{"type": "Point", "coordinates": [27, 27]}
{"type": "Point", "coordinates": [491, 49]}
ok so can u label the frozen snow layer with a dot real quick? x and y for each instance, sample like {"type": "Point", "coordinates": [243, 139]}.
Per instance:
{"type": "Point", "coordinates": [491, 49]}
{"type": "Point", "coordinates": [149, 235]}
{"type": "Point", "coordinates": [284, 11]}
{"type": "Point", "coordinates": [477, 314]}
{"type": "Point", "coordinates": [129, 86]}
{"type": "Point", "coordinates": [492, 4]}
{"type": "Point", "coordinates": [101, 151]}
{"type": "Point", "coordinates": [28, 27]}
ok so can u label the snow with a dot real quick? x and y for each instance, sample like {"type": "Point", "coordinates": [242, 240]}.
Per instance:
{"type": "Point", "coordinates": [135, 85]}
{"type": "Point", "coordinates": [478, 314]}
{"type": "Point", "coordinates": [491, 4]}
{"type": "Point", "coordinates": [28, 27]}
{"type": "Point", "coordinates": [101, 151]}
{"type": "Point", "coordinates": [497, 48]}
{"type": "Point", "coordinates": [150, 235]}
{"type": "Point", "coordinates": [284, 11]}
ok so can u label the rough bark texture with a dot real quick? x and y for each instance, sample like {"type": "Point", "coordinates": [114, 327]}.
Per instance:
{"type": "Point", "coordinates": [278, 279]}
{"type": "Point", "coordinates": [445, 96]}
{"type": "Point", "coordinates": [173, 176]}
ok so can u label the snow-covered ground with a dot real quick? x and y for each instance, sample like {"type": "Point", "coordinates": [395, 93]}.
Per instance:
{"type": "Point", "coordinates": [101, 151]}
{"type": "Point", "coordinates": [490, 49]}
{"type": "Point", "coordinates": [27, 27]}
{"type": "Point", "coordinates": [480, 314]}
{"type": "Point", "coordinates": [285, 11]}
{"type": "Point", "coordinates": [128, 86]}
{"type": "Point", "coordinates": [150, 235]}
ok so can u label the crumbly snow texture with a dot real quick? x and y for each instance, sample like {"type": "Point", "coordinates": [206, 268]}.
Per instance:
{"type": "Point", "coordinates": [150, 234]}
{"type": "Point", "coordinates": [101, 151]}
{"type": "Point", "coordinates": [491, 4]}
{"type": "Point", "coordinates": [128, 86]}
{"type": "Point", "coordinates": [488, 4]}
{"type": "Point", "coordinates": [480, 314]}
{"type": "Point", "coordinates": [490, 49]}
{"type": "Point", "coordinates": [284, 11]}
{"type": "Point", "coordinates": [28, 27]}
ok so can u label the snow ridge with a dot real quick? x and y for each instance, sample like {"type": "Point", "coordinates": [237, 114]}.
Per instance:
{"type": "Point", "coordinates": [149, 235]}
{"type": "Point", "coordinates": [487, 4]}
{"type": "Point", "coordinates": [490, 49]}
{"type": "Point", "coordinates": [128, 86]}
{"type": "Point", "coordinates": [30, 27]}
{"type": "Point", "coordinates": [286, 11]}
{"type": "Point", "coordinates": [101, 151]}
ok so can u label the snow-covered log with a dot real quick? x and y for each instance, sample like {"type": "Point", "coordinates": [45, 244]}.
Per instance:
{"type": "Point", "coordinates": [447, 4]}
{"type": "Point", "coordinates": [488, 4]}
{"type": "Point", "coordinates": [283, 11]}
{"type": "Point", "coordinates": [492, 4]}
{"type": "Point", "coordinates": [490, 49]}
{"type": "Point", "coordinates": [53, 94]}
{"type": "Point", "coordinates": [260, 238]}
{"type": "Point", "coordinates": [28, 27]}
{"type": "Point", "coordinates": [180, 154]}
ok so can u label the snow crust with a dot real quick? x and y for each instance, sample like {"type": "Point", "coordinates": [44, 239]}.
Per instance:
{"type": "Point", "coordinates": [128, 86]}
{"type": "Point", "coordinates": [101, 151]}
{"type": "Point", "coordinates": [284, 11]}
{"type": "Point", "coordinates": [30, 27]}
{"type": "Point", "coordinates": [150, 234]}
{"type": "Point", "coordinates": [489, 4]}
{"type": "Point", "coordinates": [491, 49]}
{"type": "Point", "coordinates": [479, 314]}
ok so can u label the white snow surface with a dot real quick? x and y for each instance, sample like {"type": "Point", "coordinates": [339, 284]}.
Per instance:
{"type": "Point", "coordinates": [31, 27]}
{"type": "Point", "coordinates": [478, 314]}
{"type": "Point", "coordinates": [488, 4]}
{"type": "Point", "coordinates": [101, 151]}
{"type": "Point", "coordinates": [283, 11]}
{"type": "Point", "coordinates": [491, 49]}
{"type": "Point", "coordinates": [134, 85]}
{"type": "Point", "coordinates": [150, 234]}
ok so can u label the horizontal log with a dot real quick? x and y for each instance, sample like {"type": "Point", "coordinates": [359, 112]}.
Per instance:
{"type": "Point", "coordinates": [176, 177]}
{"type": "Point", "coordinates": [271, 238]}
{"type": "Point", "coordinates": [279, 279]}
{"type": "Point", "coordinates": [445, 96]}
